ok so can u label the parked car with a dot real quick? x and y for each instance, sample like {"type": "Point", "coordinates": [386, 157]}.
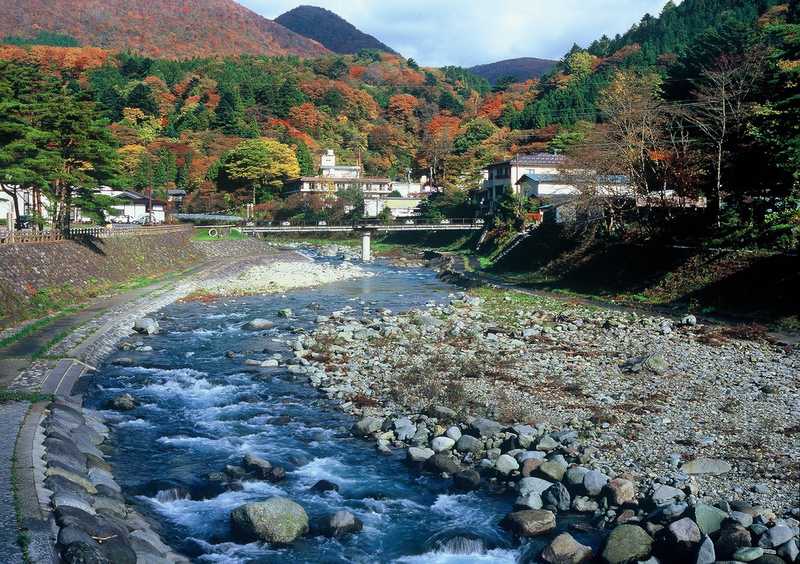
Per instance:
{"type": "Point", "coordinates": [479, 221]}
{"type": "Point", "coordinates": [445, 222]}
{"type": "Point", "coordinates": [285, 224]}
{"type": "Point", "coordinates": [409, 222]}
{"type": "Point", "coordinates": [24, 222]}
{"type": "Point", "coordinates": [322, 223]}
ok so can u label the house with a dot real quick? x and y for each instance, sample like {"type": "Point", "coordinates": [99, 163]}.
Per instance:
{"type": "Point", "coordinates": [24, 203]}
{"type": "Point", "coordinates": [135, 207]}
{"type": "Point", "coordinates": [398, 207]}
{"type": "Point", "coordinates": [549, 178]}
{"type": "Point", "coordinates": [335, 178]}
{"type": "Point", "coordinates": [175, 198]}
{"type": "Point", "coordinates": [502, 177]}
{"type": "Point", "coordinates": [131, 207]}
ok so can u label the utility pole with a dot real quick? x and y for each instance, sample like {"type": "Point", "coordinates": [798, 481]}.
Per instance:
{"type": "Point", "coordinates": [150, 204]}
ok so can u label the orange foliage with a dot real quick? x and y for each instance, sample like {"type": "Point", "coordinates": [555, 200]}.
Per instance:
{"type": "Point", "coordinates": [402, 105]}
{"type": "Point", "coordinates": [293, 132]}
{"type": "Point", "coordinates": [57, 59]}
{"type": "Point", "coordinates": [357, 72]}
{"type": "Point", "coordinates": [305, 117]}
{"type": "Point", "coordinates": [492, 107]}
{"type": "Point", "coordinates": [623, 53]}
{"type": "Point", "coordinates": [444, 124]}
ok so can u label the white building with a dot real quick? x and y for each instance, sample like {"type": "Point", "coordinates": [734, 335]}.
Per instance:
{"type": "Point", "coordinates": [398, 207]}
{"type": "Point", "coordinates": [544, 176]}
{"type": "Point", "coordinates": [132, 206]}
{"type": "Point", "coordinates": [335, 178]}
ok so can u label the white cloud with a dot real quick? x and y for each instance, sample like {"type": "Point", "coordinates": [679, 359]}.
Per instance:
{"type": "Point", "coordinates": [471, 32]}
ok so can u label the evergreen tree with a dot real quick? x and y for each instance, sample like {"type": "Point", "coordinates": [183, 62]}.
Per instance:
{"type": "Point", "coordinates": [229, 112]}
{"type": "Point", "coordinates": [304, 158]}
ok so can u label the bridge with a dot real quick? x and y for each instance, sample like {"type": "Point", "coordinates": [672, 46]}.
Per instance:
{"type": "Point", "coordinates": [366, 228]}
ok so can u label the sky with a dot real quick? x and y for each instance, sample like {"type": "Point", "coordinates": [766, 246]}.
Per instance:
{"type": "Point", "coordinates": [472, 32]}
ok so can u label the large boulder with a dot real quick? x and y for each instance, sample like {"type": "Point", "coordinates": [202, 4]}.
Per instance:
{"type": "Point", "coordinates": [323, 486]}
{"type": "Point", "coordinates": [442, 444]}
{"type": "Point", "coordinates": [277, 520]}
{"type": "Point", "coordinates": [443, 463]}
{"type": "Point", "coordinates": [342, 523]}
{"type": "Point", "coordinates": [258, 324]}
{"type": "Point", "coordinates": [468, 443]}
{"type": "Point", "coordinates": [683, 535]}
{"type": "Point", "coordinates": [419, 454]}
{"type": "Point", "coordinates": [467, 480]}
{"type": "Point", "coordinates": [712, 466]}
{"type": "Point", "coordinates": [594, 481]}
{"type": "Point", "coordinates": [123, 402]}
{"type": "Point", "coordinates": [627, 543]}
{"type": "Point", "coordinates": [557, 496]}
{"type": "Point", "coordinates": [621, 491]}
{"type": "Point", "coordinates": [366, 426]}
{"type": "Point", "coordinates": [566, 550]}
{"type": "Point", "coordinates": [709, 518]}
{"type": "Point", "coordinates": [482, 427]}
{"type": "Point", "coordinates": [83, 553]}
{"type": "Point", "coordinates": [529, 523]}
{"type": "Point", "coordinates": [257, 466]}
{"type": "Point", "coordinates": [731, 537]}
{"type": "Point", "coordinates": [506, 464]}
{"type": "Point", "coordinates": [146, 326]}
{"type": "Point", "coordinates": [533, 485]}
{"type": "Point", "coordinates": [404, 429]}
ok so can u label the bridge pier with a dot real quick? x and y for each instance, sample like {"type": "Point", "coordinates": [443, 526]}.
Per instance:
{"type": "Point", "coordinates": [366, 254]}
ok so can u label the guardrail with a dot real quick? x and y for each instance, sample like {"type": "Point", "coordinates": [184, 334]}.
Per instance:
{"type": "Point", "coordinates": [410, 224]}
{"type": "Point", "coordinates": [95, 232]}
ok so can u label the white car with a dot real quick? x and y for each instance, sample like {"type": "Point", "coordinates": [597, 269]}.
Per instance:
{"type": "Point", "coordinates": [409, 222]}
{"type": "Point", "coordinates": [285, 224]}
{"type": "Point", "coordinates": [479, 221]}
{"type": "Point", "coordinates": [445, 222]}
{"type": "Point", "coordinates": [322, 223]}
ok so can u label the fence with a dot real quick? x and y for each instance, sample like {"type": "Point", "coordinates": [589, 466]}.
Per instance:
{"type": "Point", "coordinates": [30, 236]}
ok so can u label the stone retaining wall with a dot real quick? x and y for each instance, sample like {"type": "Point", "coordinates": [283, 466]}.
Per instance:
{"type": "Point", "coordinates": [94, 522]}
{"type": "Point", "coordinates": [72, 269]}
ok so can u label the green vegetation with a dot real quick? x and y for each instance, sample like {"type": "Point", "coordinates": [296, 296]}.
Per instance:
{"type": "Point", "coordinates": [223, 234]}
{"type": "Point", "coordinates": [27, 330]}
{"type": "Point", "coordinates": [7, 395]}
{"type": "Point", "coordinates": [42, 38]}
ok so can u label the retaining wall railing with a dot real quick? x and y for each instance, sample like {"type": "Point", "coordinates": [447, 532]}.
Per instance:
{"type": "Point", "coordinates": [52, 236]}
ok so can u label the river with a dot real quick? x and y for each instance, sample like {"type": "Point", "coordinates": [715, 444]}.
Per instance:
{"type": "Point", "coordinates": [201, 410]}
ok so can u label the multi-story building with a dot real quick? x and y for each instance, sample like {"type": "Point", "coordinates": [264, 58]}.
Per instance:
{"type": "Point", "coordinates": [335, 178]}
{"type": "Point", "coordinates": [544, 176]}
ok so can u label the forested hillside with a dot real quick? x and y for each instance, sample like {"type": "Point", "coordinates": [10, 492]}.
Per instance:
{"type": "Point", "coordinates": [172, 29]}
{"type": "Point", "coordinates": [514, 70]}
{"type": "Point", "coordinates": [335, 33]}
{"type": "Point", "coordinates": [647, 104]}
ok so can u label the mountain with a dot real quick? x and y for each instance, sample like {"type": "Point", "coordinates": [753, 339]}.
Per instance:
{"type": "Point", "coordinates": [521, 69]}
{"type": "Point", "coordinates": [168, 28]}
{"type": "Point", "coordinates": [335, 33]}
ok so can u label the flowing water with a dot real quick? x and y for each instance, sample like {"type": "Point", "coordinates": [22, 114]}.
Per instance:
{"type": "Point", "coordinates": [201, 410]}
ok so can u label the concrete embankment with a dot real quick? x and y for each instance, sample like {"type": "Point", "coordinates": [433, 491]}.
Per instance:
{"type": "Point", "coordinates": [36, 277]}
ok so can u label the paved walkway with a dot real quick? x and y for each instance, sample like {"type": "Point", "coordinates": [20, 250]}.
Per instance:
{"type": "Point", "coordinates": [11, 415]}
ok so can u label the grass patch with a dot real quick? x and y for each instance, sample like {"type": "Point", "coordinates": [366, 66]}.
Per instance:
{"type": "Point", "coordinates": [223, 235]}
{"type": "Point", "coordinates": [23, 536]}
{"type": "Point", "coordinates": [27, 330]}
{"type": "Point", "coordinates": [7, 395]}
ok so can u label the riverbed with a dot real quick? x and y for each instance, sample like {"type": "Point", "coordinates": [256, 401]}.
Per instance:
{"type": "Point", "coordinates": [202, 409]}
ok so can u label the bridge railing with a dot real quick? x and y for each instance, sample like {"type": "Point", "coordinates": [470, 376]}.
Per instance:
{"type": "Point", "coordinates": [365, 223]}
{"type": "Point", "coordinates": [94, 232]}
